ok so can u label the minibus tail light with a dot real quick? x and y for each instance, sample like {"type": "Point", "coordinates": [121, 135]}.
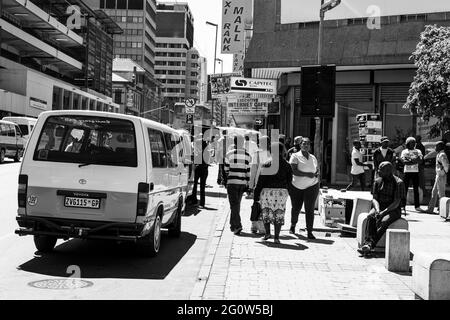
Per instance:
{"type": "Point", "coordinates": [142, 199]}
{"type": "Point", "coordinates": [22, 190]}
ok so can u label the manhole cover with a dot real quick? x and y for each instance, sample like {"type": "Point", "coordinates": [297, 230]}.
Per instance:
{"type": "Point", "coordinates": [60, 284]}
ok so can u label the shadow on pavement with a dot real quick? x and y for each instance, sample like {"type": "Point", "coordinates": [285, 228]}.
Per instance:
{"type": "Point", "coordinates": [271, 244]}
{"type": "Point", "coordinates": [107, 259]}
{"type": "Point", "coordinates": [213, 194]}
{"type": "Point", "coordinates": [320, 241]}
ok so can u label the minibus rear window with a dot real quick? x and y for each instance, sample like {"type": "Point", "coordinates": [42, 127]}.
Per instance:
{"type": "Point", "coordinates": [87, 140]}
{"type": "Point", "coordinates": [24, 129]}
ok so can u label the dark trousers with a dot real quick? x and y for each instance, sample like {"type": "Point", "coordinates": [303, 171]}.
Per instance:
{"type": "Point", "coordinates": [307, 196]}
{"type": "Point", "coordinates": [414, 178]}
{"type": "Point", "coordinates": [221, 178]}
{"type": "Point", "coordinates": [235, 193]}
{"type": "Point", "coordinates": [376, 228]}
{"type": "Point", "coordinates": [362, 181]}
{"type": "Point", "coordinates": [201, 172]}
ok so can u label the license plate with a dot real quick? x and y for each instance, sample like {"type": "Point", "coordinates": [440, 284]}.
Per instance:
{"type": "Point", "coordinates": [82, 203]}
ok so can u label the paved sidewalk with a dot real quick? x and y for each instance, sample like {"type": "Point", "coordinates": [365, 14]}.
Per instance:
{"type": "Point", "coordinates": [245, 267]}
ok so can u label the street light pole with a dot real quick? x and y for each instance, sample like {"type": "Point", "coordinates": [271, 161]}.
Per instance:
{"type": "Point", "coordinates": [215, 58]}
{"type": "Point", "coordinates": [319, 132]}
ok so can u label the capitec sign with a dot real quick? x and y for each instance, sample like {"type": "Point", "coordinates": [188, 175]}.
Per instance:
{"type": "Point", "coordinates": [248, 85]}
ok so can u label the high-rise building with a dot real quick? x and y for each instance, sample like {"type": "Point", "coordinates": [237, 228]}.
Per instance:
{"type": "Point", "coordinates": [51, 59]}
{"type": "Point", "coordinates": [138, 20]}
{"type": "Point", "coordinates": [177, 63]}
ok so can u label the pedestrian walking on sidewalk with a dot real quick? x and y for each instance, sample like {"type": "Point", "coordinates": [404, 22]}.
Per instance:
{"type": "Point", "coordinates": [272, 191]}
{"type": "Point", "coordinates": [262, 156]}
{"type": "Point", "coordinates": [442, 166]}
{"type": "Point", "coordinates": [295, 148]}
{"type": "Point", "coordinates": [388, 194]}
{"type": "Point", "coordinates": [201, 173]}
{"type": "Point", "coordinates": [220, 153]}
{"type": "Point", "coordinates": [237, 169]}
{"type": "Point", "coordinates": [411, 157]}
{"type": "Point", "coordinates": [357, 172]}
{"type": "Point", "coordinates": [305, 186]}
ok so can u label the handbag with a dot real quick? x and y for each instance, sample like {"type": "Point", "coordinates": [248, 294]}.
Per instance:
{"type": "Point", "coordinates": [256, 211]}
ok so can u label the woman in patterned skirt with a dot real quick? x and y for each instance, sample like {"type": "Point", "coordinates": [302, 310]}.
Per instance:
{"type": "Point", "coordinates": [272, 190]}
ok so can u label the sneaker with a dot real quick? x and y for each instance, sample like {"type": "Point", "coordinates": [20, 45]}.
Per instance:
{"type": "Point", "coordinates": [277, 241]}
{"type": "Point", "coordinates": [311, 236]}
{"type": "Point", "coordinates": [292, 230]}
{"type": "Point", "coordinates": [419, 209]}
{"type": "Point", "coordinates": [237, 231]}
{"type": "Point", "coordinates": [266, 237]}
{"type": "Point", "coordinates": [365, 249]}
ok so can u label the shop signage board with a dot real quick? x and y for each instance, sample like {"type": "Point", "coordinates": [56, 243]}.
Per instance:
{"type": "Point", "coordinates": [220, 83]}
{"type": "Point", "coordinates": [238, 63]}
{"type": "Point", "coordinates": [38, 103]}
{"type": "Point", "coordinates": [251, 85]}
{"type": "Point", "coordinates": [235, 14]}
{"type": "Point", "coordinates": [248, 106]}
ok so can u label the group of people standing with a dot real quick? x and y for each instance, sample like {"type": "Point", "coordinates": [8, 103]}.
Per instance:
{"type": "Point", "coordinates": [409, 164]}
{"type": "Point", "coordinates": [264, 170]}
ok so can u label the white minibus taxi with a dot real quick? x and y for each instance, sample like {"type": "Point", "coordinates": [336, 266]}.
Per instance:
{"type": "Point", "coordinates": [26, 124]}
{"type": "Point", "coordinates": [12, 142]}
{"type": "Point", "coordinates": [99, 175]}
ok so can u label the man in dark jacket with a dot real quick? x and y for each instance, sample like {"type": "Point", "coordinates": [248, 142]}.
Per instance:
{"type": "Point", "coordinates": [383, 153]}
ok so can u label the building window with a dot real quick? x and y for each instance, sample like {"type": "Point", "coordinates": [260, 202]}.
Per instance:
{"type": "Point", "coordinates": [121, 4]}
{"type": "Point", "coordinates": [118, 96]}
{"type": "Point", "coordinates": [124, 19]}
{"type": "Point", "coordinates": [110, 4]}
{"type": "Point", "coordinates": [136, 4]}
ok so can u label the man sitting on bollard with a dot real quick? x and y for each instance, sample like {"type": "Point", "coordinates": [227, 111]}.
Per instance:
{"type": "Point", "coordinates": [388, 192]}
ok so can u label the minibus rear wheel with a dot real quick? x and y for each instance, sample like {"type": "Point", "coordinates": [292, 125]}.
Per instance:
{"type": "Point", "coordinates": [44, 243]}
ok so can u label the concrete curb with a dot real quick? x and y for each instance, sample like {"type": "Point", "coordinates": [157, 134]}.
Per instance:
{"type": "Point", "coordinates": [205, 270]}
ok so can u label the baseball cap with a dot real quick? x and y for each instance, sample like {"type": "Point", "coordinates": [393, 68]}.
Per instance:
{"type": "Point", "coordinates": [383, 139]}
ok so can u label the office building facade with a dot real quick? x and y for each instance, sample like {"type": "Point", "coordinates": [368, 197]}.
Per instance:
{"type": "Point", "coordinates": [49, 63]}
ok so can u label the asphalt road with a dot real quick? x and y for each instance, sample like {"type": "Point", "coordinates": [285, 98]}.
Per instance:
{"type": "Point", "coordinates": [83, 269]}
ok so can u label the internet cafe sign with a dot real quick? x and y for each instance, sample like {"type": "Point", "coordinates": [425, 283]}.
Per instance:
{"type": "Point", "coordinates": [235, 14]}
{"type": "Point", "coordinates": [249, 85]}
{"type": "Point", "coordinates": [248, 106]}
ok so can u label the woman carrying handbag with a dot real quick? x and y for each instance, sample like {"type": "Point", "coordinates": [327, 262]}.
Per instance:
{"type": "Point", "coordinates": [272, 191]}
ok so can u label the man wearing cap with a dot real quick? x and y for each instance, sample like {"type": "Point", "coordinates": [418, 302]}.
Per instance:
{"type": "Point", "coordinates": [388, 194]}
{"type": "Point", "coordinates": [411, 157]}
{"type": "Point", "coordinates": [384, 153]}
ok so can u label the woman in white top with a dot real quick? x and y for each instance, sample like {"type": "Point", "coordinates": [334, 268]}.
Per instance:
{"type": "Point", "coordinates": [305, 186]}
{"type": "Point", "coordinates": [358, 167]}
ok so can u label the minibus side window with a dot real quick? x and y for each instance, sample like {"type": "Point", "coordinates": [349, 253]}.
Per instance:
{"type": "Point", "coordinates": [11, 132]}
{"type": "Point", "coordinates": [158, 150]}
{"type": "Point", "coordinates": [172, 154]}
{"type": "Point", "coordinates": [3, 130]}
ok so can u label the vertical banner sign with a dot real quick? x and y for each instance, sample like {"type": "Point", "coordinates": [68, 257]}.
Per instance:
{"type": "Point", "coordinates": [234, 15]}
{"type": "Point", "coordinates": [238, 63]}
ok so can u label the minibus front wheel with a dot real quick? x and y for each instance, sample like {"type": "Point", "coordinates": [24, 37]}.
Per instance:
{"type": "Point", "coordinates": [44, 243]}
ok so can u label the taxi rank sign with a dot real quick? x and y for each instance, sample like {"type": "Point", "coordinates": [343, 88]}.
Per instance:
{"type": "Point", "coordinates": [235, 13]}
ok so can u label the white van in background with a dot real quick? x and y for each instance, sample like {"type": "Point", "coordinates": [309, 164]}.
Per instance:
{"type": "Point", "coordinates": [12, 143]}
{"type": "Point", "coordinates": [26, 124]}
{"type": "Point", "coordinates": [188, 162]}
{"type": "Point", "coordinates": [98, 175]}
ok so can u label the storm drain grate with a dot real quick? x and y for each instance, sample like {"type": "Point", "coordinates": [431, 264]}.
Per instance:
{"type": "Point", "coordinates": [61, 284]}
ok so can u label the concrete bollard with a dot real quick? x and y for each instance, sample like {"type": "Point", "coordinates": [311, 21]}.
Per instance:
{"type": "Point", "coordinates": [444, 207]}
{"type": "Point", "coordinates": [431, 275]}
{"type": "Point", "coordinates": [397, 250]}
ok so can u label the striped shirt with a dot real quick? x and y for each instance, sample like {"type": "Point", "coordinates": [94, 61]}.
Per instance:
{"type": "Point", "coordinates": [237, 167]}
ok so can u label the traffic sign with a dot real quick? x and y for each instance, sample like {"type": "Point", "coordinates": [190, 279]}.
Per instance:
{"type": "Point", "coordinates": [259, 122]}
{"type": "Point", "coordinates": [190, 110]}
{"type": "Point", "coordinates": [189, 119]}
{"type": "Point", "coordinates": [190, 102]}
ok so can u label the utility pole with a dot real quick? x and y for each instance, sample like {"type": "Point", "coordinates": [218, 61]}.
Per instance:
{"type": "Point", "coordinates": [215, 58]}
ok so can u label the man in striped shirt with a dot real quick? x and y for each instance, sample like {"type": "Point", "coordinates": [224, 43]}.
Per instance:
{"type": "Point", "coordinates": [237, 168]}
